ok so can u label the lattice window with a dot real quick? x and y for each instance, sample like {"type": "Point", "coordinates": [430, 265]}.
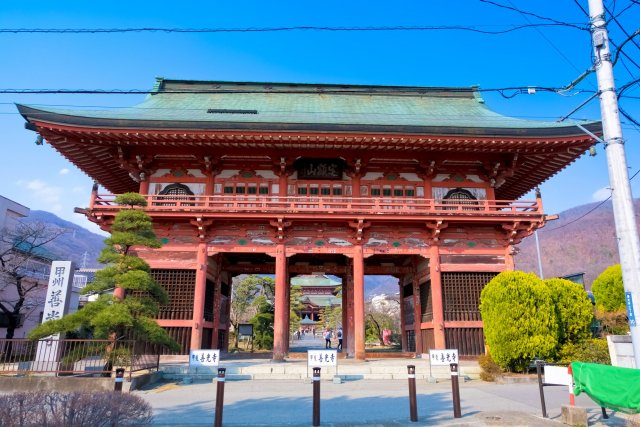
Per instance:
{"type": "Point", "coordinates": [176, 189]}
{"type": "Point", "coordinates": [460, 196]}
{"type": "Point", "coordinates": [180, 287]}
{"type": "Point", "coordinates": [462, 295]}
{"type": "Point", "coordinates": [182, 337]}
{"type": "Point", "coordinates": [468, 341]}
{"type": "Point", "coordinates": [408, 310]}
{"type": "Point", "coordinates": [426, 302]}
{"type": "Point", "coordinates": [208, 302]}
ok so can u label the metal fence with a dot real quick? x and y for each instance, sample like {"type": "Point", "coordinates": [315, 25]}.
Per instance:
{"type": "Point", "coordinates": [66, 357]}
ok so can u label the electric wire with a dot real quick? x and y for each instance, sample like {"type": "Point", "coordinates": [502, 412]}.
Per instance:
{"type": "Point", "coordinates": [322, 90]}
{"type": "Point", "coordinates": [621, 27]}
{"type": "Point", "coordinates": [474, 29]}
{"type": "Point", "coordinates": [544, 18]}
{"type": "Point", "coordinates": [590, 211]}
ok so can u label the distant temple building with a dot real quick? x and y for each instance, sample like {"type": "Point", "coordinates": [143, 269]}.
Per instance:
{"type": "Point", "coordinates": [290, 179]}
{"type": "Point", "coordinates": [318, 292]}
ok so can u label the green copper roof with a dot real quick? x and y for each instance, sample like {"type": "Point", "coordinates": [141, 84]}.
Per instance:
{"type": "Point", "coordinates": [314, 280]}
{"type": "Point", "coordinates": [180, 104]}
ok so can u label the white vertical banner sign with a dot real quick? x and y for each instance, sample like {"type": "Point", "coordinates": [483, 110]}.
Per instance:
{"type": "Point", "coordinates": [56, 305]}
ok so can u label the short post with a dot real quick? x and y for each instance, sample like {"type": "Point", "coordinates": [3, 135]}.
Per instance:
{"type": "Point", "coordinates": [604, 413]}
{"type": "Point", "coordinates": [316, 397]}
{"type": "Point", "coordinates": [413, 409]}
{"type": "Point", "coordinates": [572, 397]}
{"type": "Point", "coordinates": [539, 364]}
{"type": "Point", "coordinates": [119, 380]}
{"type": "Point", "coordinates": [220, 397]}
{"type": "Point", "coordinates": [455, 390]}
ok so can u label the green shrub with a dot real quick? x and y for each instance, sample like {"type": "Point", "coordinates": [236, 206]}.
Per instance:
{"type": "Point", "coordinates": [613, 322]}
{"type": "Point", "coordinates": [50, 408]}
{"type": "Point", "coordinates": [594, 350]}
{"type": "Point", "coordinates": [573, 308]}
{"type": "Point", "coordinates": [608, 290]}
{"type": "Point", "coordinates": [519, 319]}
{"type": "Point", "coordinates": [490, 369]}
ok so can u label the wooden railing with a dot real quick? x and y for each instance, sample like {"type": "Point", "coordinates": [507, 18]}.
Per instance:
{"type": "Point", "coordinates": [344, 205]}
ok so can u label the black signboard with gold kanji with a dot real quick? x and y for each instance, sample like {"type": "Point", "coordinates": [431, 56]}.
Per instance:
{"type": "Point", "coordinates": [319, 168]}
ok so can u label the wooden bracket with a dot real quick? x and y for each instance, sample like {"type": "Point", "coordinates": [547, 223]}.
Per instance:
{"type": "Point", "coordinates": [201, 226]}
{"type": "Point", "coordinates": [436, 227]}
{"type": "Point", "coordinates": [516, 231]}
{"type": "Point", "coordinates": [280, 225]}
{"type": "Point", "coordinates": [359, 227]}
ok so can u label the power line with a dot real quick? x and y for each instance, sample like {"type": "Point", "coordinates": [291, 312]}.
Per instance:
{"type": "Point", "coordinates": [544, 18]}
{"type": "Point", "coordinates": [324, 90]}
{"type": "Point", "coordinates": [475, 29]}
{"type": "Point", "coordinates": [591, 210]}
{"type": "Point", "coordinates": [545, 37]}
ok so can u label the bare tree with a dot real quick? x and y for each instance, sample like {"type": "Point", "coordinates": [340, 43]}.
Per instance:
{"type": "Point", "coordinates": [24, 269]}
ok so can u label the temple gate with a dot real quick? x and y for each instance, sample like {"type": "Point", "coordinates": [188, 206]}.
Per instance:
{"type": "Point", "coordinates": [287, 179]}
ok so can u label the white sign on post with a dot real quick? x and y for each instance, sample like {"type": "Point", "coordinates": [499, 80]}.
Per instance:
{"type": "Point", "coordinates": [556, 375]}
{"type": "Point", "coordinates": [443, 357]}
{"type": "Point", "coordinates": [56, 305]}
{"type": "Point", "coordinates": [200, 358]}
{"type": "Point", "coordinates": [322, 358]}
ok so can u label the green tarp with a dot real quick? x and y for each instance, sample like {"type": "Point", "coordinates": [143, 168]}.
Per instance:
{"type": "Point", "coordinates": [609, 386]}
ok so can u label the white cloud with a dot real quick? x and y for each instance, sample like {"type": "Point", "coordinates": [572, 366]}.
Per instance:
{"type": "Point", "coordinates": [601, 194]}
{"type": "Point", "coordinates": [64, 171]}
{"type": "Point", "coordinates": [46, 197]}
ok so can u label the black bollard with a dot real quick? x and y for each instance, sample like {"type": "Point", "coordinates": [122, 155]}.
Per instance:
{"type": "Point", "coordinates": [316, 397]}
{"type": "Point", "coordinates": [219, 398]}
{"type": "Point", "coordinates": [119, 380]}
{"type": "Point", "coordinates": [539, 364]}
{"type": "Point", "coordinates": [413, 408]}
{"type": "Point", "coordinates": [455, 390]}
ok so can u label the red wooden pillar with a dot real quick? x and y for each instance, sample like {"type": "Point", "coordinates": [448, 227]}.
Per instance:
{"type": "Point", "coordinates": [225, 344]}
{"type": "Point", "coordinates": [198, 297]}
{"type": "Point", "coordinates": [345, 314]}
{"type": "Point", "coordinates": [280, 316]}
{"type": "Point", "coordinates": [436, 296]}
{"type": "Point", "coordinates": [358, 302]}
{"type": "Point", "coordinates": [349, 331]}
{"type": "Point", "coordinates": [509, 263]}
{"type": "Point", "coordinates": [403, 319]}
{"type": "Point", "coordinates": [144, 186]}
{"type": "Point", "coordinates": [417, 313]}
{"type": "Point", "coordinates": [287, 322]}
{"type": "Point", "coordinates": [217, 306]}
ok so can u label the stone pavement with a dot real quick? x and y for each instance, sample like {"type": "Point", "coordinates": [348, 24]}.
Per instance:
{"type": "Point", "coordinates": [371, 402]}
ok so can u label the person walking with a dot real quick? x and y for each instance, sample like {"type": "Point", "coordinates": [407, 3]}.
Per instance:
{"type": "Point", "coordinates": [339, 336]}
{"type": "Point", "coordinates": [327, 338]}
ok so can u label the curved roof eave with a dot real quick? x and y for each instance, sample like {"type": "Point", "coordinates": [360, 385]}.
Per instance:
{"type": "Point", "coordinates": [32, 115]}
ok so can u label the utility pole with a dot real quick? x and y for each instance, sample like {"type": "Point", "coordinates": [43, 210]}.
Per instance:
{"type": "Point", "coordinates": [623, 212]}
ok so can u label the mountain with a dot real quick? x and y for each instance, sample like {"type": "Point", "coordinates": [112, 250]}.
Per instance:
{"type": "Point", "coordinates": [583, 240]}
{"type": "Point", "coordinates": [78, 244]}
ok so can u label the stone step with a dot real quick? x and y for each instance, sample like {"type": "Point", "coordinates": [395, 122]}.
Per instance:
{"type": "Point", "coordinates": [349, 370]}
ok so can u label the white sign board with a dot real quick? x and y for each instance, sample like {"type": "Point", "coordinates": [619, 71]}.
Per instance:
{"type": "Point", "coordinates": [557, 375]}
{"type": "Point", "coordinates": [56, 305]}
{"type": "Point", "coordinates": [199, 358]}
{"type": "Point", "coordinates": [321, 358]}
{"type": "Point", "coordinates": [443, 357]}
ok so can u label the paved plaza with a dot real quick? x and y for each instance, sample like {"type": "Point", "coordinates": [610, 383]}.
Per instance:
{"type": "Point", "coordinates": [370, 402]}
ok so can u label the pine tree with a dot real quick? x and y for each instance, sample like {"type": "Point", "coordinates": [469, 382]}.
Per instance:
{"type": "Point", "coordinates": [131, 309]}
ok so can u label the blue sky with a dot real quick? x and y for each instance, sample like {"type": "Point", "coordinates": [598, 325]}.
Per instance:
{"type": "Point", "coordinates": [38, 177]}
